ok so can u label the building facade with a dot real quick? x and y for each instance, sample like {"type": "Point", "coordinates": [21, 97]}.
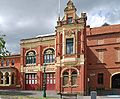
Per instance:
{"type": "Point", "coordinates": [76, 58]}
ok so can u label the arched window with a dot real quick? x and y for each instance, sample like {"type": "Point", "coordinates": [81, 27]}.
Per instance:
{"type": "Point", "coordinates": [2, 62]}
{"type": "Point", "coordinates": [7, 62]}
{"type": "Point", "coordinates": [74, 78]}
{"type": "Point", "coordinates": [49, 56]}
{"type": "Point", "coordinates": [31, 57]}
{"type": "Point", "coordinates": [7, 78]}
{"type": "Point", "coordinates": [13, 62]}
{"type": "Point", "coordinates": [65, 78]}
{"type": "Point", "coordinates": [1, 78]}
{"type": "Point", "coordinates": [13, 78]}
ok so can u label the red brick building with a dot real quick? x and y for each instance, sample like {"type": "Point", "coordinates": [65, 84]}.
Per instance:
{"type": "Point", "coordinates": [77, 58]}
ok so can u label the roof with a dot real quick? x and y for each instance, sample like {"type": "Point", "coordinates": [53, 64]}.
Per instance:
{"type": "Point", "coordinates": [40, 36]}
{"type": "Point", "coordinates": [44, 35]}
{"type": "Point", "coordinates": [105, 29]}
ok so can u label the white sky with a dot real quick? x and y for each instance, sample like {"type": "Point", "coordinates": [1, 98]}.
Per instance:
{"type": "Point", "coordinates": [20, 19]}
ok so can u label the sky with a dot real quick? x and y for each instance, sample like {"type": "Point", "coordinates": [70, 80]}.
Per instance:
{"type": "Point", "coordinates": [22, 19]}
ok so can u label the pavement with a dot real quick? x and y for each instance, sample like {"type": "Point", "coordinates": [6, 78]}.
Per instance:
{"type": "Point", "coordinates": [21, 94]}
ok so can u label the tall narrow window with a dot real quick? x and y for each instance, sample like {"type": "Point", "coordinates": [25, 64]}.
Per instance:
{"type": "Point", "coordinates": [49, 56]}
{"type": "Point", "coordinates": [1, 78]}
{"type": "Point", "coordinates": [7, 62]}
{"type": "Point", "coordinates": [7, 78]}
{"type": "Point", "coordinates": [74, 78]}
{"type": "Point", "coordinates": [31, 57]}
{"type": "Point", "coordinates": [65, 78]}
{"type": "Point", "coordinates": [100, 78]}
{"type": "Point", "coordinates": [2, 62]}
{"type": "Point", "coordinates": [13, 62]}
{"type": "Point", "coordinates": [13, 78]}
{"type": "Point", "coordinates": [69, 46]}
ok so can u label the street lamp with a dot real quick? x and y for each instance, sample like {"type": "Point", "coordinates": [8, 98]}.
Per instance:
{"type": "Point", "coordinates": [44, 81]}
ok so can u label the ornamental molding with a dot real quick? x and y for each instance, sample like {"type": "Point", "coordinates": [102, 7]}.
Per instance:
{"type": "Point", "coordinates": [69, 33]}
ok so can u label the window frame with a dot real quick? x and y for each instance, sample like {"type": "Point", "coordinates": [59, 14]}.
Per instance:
{"type": "Point", "coordinates": [100, 78]}
{"type": "Point", "coordinates": [69, 20]}
{"type": "Point", "coordinates": [69, 45]}
{"type": "Point", "coordinates": [74, 75]}
{"type": "Point", "coordinates": [31, 59]}
{"type": "Point", "coordinates": [49, 57]}
{"type": "Point", "coordinates": [65, 76]}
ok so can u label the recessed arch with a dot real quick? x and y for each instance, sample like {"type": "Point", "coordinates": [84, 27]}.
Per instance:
{"type": "Point", "coordinates": [111, 78]}
{"type": "Point", "coordinates": [115, 80]}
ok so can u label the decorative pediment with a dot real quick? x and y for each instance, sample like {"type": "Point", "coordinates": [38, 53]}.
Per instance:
{"type": "Point", "coordinates": [69, 33]}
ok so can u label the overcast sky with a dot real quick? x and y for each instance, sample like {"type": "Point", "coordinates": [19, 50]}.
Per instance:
{"type": "Point", "coordinates": [20, 19]}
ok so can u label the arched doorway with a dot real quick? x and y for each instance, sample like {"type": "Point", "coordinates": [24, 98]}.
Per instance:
{"type": "Point", "coordinates": [116, 81]}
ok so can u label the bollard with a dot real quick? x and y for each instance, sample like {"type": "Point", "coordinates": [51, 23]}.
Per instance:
{"type": "Point", "coordinates": [93, 94]}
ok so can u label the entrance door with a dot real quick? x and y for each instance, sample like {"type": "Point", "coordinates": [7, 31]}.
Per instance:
{"type": "Point", "coordinates": [116, 81]}
{"type": "Point", "coordinates": [50, 81]}
{"type": "Point", "coordinates": [30, 81]}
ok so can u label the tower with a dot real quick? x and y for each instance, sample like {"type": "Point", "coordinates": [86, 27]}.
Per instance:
{"type": "Point", "coordinates": [70, 51]}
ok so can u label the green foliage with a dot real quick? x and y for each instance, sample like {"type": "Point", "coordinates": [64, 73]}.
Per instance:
{"type": "Point", "coordinates": [3, 51]}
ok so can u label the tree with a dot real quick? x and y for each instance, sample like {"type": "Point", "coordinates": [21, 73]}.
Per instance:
{"type": "Point", "coordinates": [3, 51]}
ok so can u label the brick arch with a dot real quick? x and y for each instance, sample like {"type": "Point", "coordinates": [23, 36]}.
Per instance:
{"type": "Point", "coordinates": [47, 49]}
{"type": "Point", "coordinates": [68, 69]}
{"type": "Point", "coordinates": [31, 50]}
{"type": "Point", "coordinates": [111, 78]}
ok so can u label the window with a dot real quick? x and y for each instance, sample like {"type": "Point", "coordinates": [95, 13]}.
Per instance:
{"type": "Point", "coordinates": [49, 56]}
{"type": "Point", "coordinates": [31, 57]}
{"type": "Point", "coordinates": [100, 78]}
{"type": "Point", "coordinates": [31, 78]}
{"type": "Point", "coordinates": [7, 62]}
{"type": "Point", "coordinates": [2, 62]}
{"type": "Point", "coordinates": [69, 46]}
{"type": "Point", "coordinates": [74, 78]}
{"type": "Point", "coordinates": [13, 78]}
{"type": "Point", "coordinates": [101, 57]}
{"type": "Point", "coordinates": [13, 62]}
{"type": "Point", "coordinates": [7, 78]}
{"type": "Point", "coordinates": [65, 78]}
{"type": "Point", "coordinates": [1, 78]}
{"type": "Point", "coordinates": [69, 20]}
{"type": "Point", "coordinates": [70, 77]}
{"type": "Point", "coordinates": [50, 78]}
